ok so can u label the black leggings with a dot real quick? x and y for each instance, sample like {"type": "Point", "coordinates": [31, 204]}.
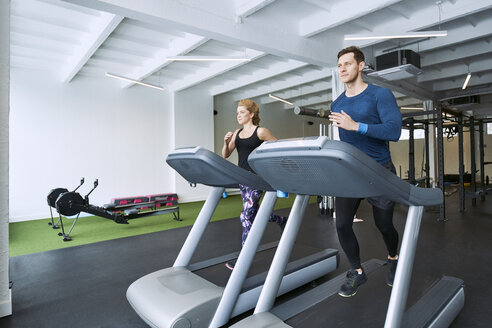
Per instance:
{"type": "Point", "coordinates": [345, 211]}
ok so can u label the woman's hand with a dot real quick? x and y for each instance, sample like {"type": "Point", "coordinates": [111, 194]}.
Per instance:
{"type": "Point", "coordinates": [228, 137]}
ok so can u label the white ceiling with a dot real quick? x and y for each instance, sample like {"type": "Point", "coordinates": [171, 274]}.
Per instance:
{"type": "Point", "coordinates": [292, 43]}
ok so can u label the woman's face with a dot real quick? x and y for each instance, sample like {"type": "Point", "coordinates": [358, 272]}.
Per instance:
{"type": "Point", "coordinates": [243, 115]}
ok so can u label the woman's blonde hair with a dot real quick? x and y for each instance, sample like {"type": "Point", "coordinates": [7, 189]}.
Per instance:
{"type": "Point", "coordinates": [252, 107]}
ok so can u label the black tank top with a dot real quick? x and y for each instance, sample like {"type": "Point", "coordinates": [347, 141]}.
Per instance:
{"type": "Point", "coordinates": [245, 147]}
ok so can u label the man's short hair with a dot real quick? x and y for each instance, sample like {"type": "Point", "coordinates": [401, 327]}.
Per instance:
{"type": "Point", "coordinates": [358, 54]}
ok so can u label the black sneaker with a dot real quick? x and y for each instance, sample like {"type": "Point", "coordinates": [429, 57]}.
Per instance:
{"type": "Point", "coordinates": [282, 225]}
{"type": "Point", "coordinates": [390, 277]}
{"type": "Point", "coordinates": [354, 280]}
{"type": "Point", "coordinates": [230, 265]}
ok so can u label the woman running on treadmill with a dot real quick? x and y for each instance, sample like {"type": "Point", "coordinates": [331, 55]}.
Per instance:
{"type": "Point", "coordinates": [367, 117]}
{"type": "Point", "coordinates": [245, 140]}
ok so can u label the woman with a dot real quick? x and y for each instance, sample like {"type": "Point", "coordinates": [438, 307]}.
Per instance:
{"type": "Point", "coordinates": [245, 140]}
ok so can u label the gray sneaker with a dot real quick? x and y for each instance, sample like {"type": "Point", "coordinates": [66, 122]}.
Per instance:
{"type": "Point", "coordinates": [352, 283]}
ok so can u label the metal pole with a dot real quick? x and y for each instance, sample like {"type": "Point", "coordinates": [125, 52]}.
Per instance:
{"type": "Point", "coordinates": [473, 161]}
{"type": "Point", "coordinates": [482, 165]}
{"type": "Point", "coordinates": [282, 255]}
{"type": "Point", "coordinates": [403, 274]}
{"type": "Point", "coordinates": [196, 233]}
{"type": "Point", "coordinates": [236, 280]}
{"type": "Point", "coordinates": [461, 165]}
{"type": "Point", "coordinates": [411, 152]}
{"type": "Point", "coordinates": [440, 161]}
{"type": "Point", "coordinates": [427, 155]}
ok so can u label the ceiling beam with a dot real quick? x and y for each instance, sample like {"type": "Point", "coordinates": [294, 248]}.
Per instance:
{"type": "Point", "coordinates": [186, 15]}
{"type": "Point", "coordinates": [458, 36]}
{"type": "Point", "coordinates": [178, 46]}
{"type": "Point", "coordinates": [244, 8]}
{"type": "Point", "coordinates": [425, 18]}
{"type": "Point", "coordinates": [446, 55]}
{"type": "Point", "coordinates": [483, 80]}
{"type": "Point", "coordinates": [257, 76]}
{"type": "Point", "coordinates": [345, 11]}
{"type": "Point", "coordinates": [458, 70]}
{"type": "Point", "coordinates": [301, 91]}
{"type": "Point", "coordinates": [307, 77]}
{"type": "Point", "coordinates": [100, 30]}
{"type": "Point", "coordinates": [210, 72]}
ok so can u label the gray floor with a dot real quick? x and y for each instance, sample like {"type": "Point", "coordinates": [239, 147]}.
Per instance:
{"type": "Point", "coordinates": [84, 286]}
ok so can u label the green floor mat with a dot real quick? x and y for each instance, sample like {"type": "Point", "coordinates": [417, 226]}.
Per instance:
{"type": "Point", "coordinates": [37, 236]}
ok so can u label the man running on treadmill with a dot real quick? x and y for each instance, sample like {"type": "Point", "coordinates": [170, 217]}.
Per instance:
{"type": "Point", "coordinates": [367, 117]}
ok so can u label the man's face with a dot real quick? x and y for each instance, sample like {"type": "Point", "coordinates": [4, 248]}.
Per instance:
{"type": "Point", "coordinates": [348, 69]}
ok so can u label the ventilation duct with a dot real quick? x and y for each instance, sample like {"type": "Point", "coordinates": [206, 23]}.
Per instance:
{"type": "Point", "coordinates": [397, 65]}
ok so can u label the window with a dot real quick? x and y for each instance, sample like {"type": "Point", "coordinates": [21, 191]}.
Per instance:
{"type": "Point", "coordinates": [489, 128]}
{"type": "Point", "coordinates": [417, 134]}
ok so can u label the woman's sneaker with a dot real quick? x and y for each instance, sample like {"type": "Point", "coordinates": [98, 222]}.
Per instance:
{"type": "Point", "coordinates": [352, 283]}
{"type": "Point", "coordinates": [390, 276]}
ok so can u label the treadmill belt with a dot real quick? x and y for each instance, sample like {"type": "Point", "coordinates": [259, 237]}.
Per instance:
{"type": "Point", "coordinates": [367, 308]}
{"type": "Point", "coordinates": [219, 274]}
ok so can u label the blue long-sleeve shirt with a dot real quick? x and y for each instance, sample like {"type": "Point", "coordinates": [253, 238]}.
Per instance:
{"type": "Point", "coordinates": [379, 119]}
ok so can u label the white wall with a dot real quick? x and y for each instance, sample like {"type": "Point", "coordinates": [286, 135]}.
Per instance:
{"type": "Point", "coordinates": [88, 128]}
{"type": "Point", "coordinates": [193, 126]}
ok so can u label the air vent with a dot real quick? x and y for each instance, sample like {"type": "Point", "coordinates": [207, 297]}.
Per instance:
{"type": "Point", "coordinates": [463, 101]}
{"type": "Point", "coordinates": [397, 65]}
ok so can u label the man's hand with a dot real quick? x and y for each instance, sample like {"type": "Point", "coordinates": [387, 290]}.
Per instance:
{"type": "Point", "coordinates": [344, 121]}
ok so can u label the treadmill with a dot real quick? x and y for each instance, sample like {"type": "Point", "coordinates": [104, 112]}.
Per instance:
{"type": "Point", "coordinates": [180, 296]}
{"type": "Point", "coordinates": [318, 166]}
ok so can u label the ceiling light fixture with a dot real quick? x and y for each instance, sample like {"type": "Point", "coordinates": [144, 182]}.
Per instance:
{"type": "Point", "coordinates": [280, 99]}
{"type": "Point", "coordinates": [207, 58]}
{"type": "Point", "coordinates": [134, 81]}
{"type": "Point", "coordinates": [465, 84]}
{"type": "Point", "coordinates": [407, 35]}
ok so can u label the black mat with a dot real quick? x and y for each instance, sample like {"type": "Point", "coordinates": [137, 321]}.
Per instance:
{"type": "Point", "coordinates": [85, 286]}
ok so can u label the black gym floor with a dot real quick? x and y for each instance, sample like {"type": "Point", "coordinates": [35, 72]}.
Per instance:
{"type": "Point", "coordinates": [84, 286]}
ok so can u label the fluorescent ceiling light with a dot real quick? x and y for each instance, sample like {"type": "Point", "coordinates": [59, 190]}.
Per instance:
{"type": "Point", "coordinates": [134, 81]}
{"type": "Point", "coordinates": [466, 81]}
{"type": "Point", "coordinates": [207, 58]}
{"type": "Point", "coordinates": [280, 99]}
{"type": "Point", "coordinates": [412, 108]}
{"type": "Point", "coordinates": [424, 34]}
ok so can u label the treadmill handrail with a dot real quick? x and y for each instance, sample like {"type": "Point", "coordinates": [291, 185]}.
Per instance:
{"type": "Point", "coordinates": [199, 165]}
{"type": "Point", "coordinates": [333, 168]}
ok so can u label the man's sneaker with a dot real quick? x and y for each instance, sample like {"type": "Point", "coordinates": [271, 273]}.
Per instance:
{"type": "Point", "coordinates": [230, 265]}
{"type": "Point", "coordinates": [354, 280]}
{"type": "Point", "coordinates": [390, 277]}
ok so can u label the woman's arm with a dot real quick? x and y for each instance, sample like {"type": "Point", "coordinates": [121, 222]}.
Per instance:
{"type": "Point", "coordinates": [229, 143]}
{"type": "Point", "coordinates": [265, 134]}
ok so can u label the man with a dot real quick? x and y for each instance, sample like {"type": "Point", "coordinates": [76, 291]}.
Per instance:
{"type": "Point", "coordinates": [367, 117]}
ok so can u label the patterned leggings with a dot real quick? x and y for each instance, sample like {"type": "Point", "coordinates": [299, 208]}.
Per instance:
{"type": "Point", "coordinates": [251, 204]}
